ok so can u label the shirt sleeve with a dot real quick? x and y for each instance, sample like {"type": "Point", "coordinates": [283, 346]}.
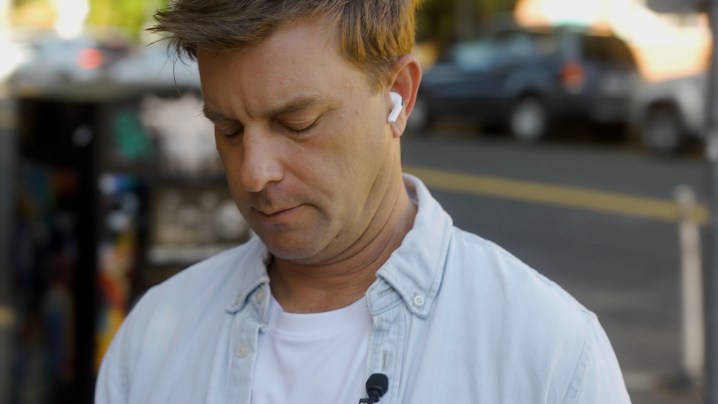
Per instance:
{"type": "Point", "coordinates": [598, 378]}
{"type": "Point", "coordinates": [112, 385]}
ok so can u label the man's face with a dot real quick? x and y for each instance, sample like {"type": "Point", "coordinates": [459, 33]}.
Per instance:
{"type": "Point", "coordinates": [304, 141]}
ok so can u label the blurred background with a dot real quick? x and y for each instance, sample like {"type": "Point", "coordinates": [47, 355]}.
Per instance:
{"type": "Point", "coordinates": [571, 132]}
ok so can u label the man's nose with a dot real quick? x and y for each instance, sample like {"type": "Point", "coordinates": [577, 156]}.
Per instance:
{"type": "Point", "coordinates": [261, 161]}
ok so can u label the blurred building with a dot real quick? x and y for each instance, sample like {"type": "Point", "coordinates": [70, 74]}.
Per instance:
{"type": "Point", "coordinates": [665, 45]}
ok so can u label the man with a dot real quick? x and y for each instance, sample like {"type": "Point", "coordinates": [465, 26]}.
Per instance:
{"type": "Point", "coordinates": [356, 269]}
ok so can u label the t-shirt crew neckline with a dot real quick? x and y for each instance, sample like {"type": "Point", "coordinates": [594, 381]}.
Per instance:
{"type": "Point", "coordinates": [324, 324]}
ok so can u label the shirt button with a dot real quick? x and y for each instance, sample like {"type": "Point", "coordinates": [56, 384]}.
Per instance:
{"type": "Point", "coordinates": [418, 300]}
{"type": "Point", "coordinates": [242, 351]}
{"type": "Point", "coordinates": [259, 296]}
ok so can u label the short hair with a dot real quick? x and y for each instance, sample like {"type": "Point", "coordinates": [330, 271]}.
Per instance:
{"type": "Point", "coordinates": [373, 34]}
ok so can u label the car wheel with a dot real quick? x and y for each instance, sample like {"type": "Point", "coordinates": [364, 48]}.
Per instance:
{"type": "Point", "coordinates": [662, 129]}
{"type": "Point", "coordinates": [528, 121]}
{"type": "Point", "coordinates": [420, 118]}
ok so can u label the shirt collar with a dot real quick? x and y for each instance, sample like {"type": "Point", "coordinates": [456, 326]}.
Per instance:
{"type": "Point", "coordinates": [415, 269]}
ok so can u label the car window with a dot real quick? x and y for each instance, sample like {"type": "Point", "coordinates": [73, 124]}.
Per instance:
{"type": "Point", "coordinates": [606, 48]}
{"type": "Point", "coordinates": [495, 51]}
{"type": "Point", "coordinates": [473, 55]}
{"type": "Point", "coordinates": [546, 44]}
{"type": "Point", "coordinates": [514, 46]}
{"type": "Point", "coordinates": [501, 49]}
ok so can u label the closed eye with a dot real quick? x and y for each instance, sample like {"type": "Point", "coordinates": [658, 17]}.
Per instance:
{"type": "Point", "coordinates": [229, 131]}
{"type": "Point", "coordinates": [299, 128]}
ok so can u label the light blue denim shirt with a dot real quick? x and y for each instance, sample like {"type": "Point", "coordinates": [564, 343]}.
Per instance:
{"type": "Point", "coordinates": [456, 320]}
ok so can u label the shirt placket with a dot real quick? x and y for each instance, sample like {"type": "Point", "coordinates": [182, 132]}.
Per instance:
{"type": "Point", "coordinates": [387, 348]}
{"type": "Point", "coordinates": [243, 347]}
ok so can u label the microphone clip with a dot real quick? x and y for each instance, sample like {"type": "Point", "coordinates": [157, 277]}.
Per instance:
{"type": "Point", "coordinates": [376, 387]}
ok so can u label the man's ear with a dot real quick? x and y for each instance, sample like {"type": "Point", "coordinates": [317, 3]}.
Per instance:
{"type": "Point", "coordinates": [406, 76]}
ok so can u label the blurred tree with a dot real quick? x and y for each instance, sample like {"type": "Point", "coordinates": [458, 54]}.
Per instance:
{"type": "Point", "coordinates": [443, 22]}
{"type": "Point", "coordinates": [130, 17]}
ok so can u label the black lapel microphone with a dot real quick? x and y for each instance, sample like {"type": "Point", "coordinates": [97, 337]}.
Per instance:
{"type": "Point", "coordinates": [376, 387]}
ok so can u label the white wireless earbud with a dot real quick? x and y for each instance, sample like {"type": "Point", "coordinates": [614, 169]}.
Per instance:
{"type": "Point", "coordinates": [398, 105]}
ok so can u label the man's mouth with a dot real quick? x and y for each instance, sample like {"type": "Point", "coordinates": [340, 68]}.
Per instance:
{"type": "Point", "coordinates": [276, 213]}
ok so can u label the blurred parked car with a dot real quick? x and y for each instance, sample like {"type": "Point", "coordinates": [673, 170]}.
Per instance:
{"type": "Point", "coordinates": [50, 60]}
{"type": "Point", "coordinates": [531, 80]}
{"type": "Point", "coordinates": [670, 114]}
{"type": "Point", "coordinates": [155, 65]}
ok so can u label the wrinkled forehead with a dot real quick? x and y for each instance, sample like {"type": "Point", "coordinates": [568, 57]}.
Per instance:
{"type": "Point", "coordinates": [298, 60]}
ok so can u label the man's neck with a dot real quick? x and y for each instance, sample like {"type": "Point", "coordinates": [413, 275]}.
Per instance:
{"type": "Point", "coordinates": [318, 288]}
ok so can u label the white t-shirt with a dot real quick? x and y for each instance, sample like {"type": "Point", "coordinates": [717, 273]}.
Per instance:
{"type": "Point", "coordinates": [313, 358]}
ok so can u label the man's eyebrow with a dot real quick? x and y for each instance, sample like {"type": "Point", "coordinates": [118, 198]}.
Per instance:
{"type": "Point", "coordinates": [294, 105]}
{"type": "Point", "coordinates": [213, 115]}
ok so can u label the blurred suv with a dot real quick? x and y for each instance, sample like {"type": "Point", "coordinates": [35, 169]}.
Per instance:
{"type": "Point", "coordinates": [530, 80]}
{"type": "Point", "coordinates": [670, 114]}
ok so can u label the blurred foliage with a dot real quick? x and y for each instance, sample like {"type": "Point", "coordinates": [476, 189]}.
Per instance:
{"type": "Point", "coordinates": [128, 16]}
{"type": "Point", "coordinates": [443, 22]}
{"type": "Point", "coordinates": [19, 3]}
